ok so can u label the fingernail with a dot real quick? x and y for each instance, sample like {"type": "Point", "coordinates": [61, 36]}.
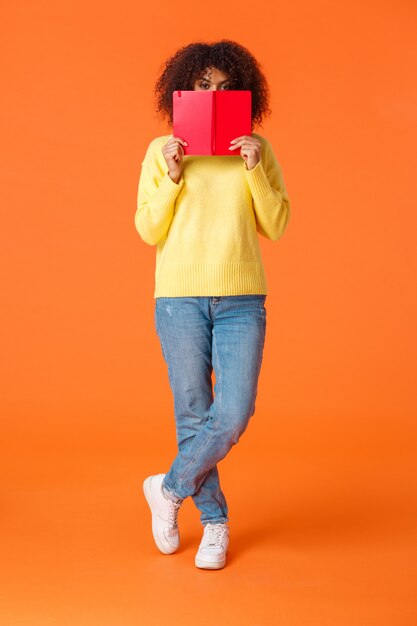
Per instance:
{"type": "Point", "coordinates": [233, 141]}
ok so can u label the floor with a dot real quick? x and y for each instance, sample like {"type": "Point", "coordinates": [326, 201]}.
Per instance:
{"type": "Point", "coordinates": [314, 539]}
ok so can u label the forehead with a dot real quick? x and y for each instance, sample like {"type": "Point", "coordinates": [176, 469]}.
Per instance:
{"type": "Point", "coordinates": [213, 73]}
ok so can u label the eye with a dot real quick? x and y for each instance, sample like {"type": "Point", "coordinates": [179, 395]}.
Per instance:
{"type": "Point", "coordinates": [204, 85]}
{"type": "Point", "coordinates": [226, 87]}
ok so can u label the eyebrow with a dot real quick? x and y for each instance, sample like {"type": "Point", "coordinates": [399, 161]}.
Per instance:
{"type": "Point", "coordinates": [209, 81]}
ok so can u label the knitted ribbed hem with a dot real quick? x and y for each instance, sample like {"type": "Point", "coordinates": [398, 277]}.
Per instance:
{"type": "Point", "coordinates": [168, 190]}
{"type": "Point", "coordinates": [210, 278]}
{"type": "Point", "coordinates": [258, 181]}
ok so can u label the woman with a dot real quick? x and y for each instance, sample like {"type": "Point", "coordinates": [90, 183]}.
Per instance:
{"type": "Point", "coordinates": [203, 214]}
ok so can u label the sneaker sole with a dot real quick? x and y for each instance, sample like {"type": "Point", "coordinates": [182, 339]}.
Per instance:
{"type": "Point", "coordinates": [149, 500]}
{"type": "Point", "coordinates": [209, 565]}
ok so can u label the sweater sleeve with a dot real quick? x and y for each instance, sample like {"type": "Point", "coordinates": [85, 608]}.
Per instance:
{"type": "Point", "coordinates": [156, 197]}
{"type": "Point", "coordinates": [270, 199]}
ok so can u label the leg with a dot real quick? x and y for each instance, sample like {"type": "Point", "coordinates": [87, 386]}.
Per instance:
{"type": "Point", "coordinates": [184, 328]}
{"type": "Point", "coordinates": [239, 326]}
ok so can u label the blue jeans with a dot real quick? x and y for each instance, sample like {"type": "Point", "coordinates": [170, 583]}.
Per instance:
{"type": "Point", "coordinates": [197, 334]}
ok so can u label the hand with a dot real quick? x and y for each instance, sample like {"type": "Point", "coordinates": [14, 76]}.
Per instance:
{"type": "Point", "coordinates": [250, 149]}
{"type": "Point", "coordinates": [173, 154]}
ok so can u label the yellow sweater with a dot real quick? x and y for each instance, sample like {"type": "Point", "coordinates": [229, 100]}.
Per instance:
{"type": "Point", "coordinates": [205, 226]}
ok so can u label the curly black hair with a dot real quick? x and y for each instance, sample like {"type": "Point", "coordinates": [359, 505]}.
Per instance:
{"type": "Point", "coordinates": [187, 64]}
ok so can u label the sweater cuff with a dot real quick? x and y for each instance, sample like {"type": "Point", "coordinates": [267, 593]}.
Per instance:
{"type": "Point", "coordinates": [168, 189]}
{"type": "Point", "coordinates": [258, 181]}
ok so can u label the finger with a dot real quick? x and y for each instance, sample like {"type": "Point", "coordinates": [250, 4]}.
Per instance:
{"type": "Point", "coordinates": [174, 150]}
{"type": "Point", "coordinates": [243, 142]}
{"type": "Point", "coordinates": [240, 144]}
{"type": "Point", "coordinates": [246, 148]}
{"type": "Point", "coordinates": [180, 140]}
{"type": "Point", "coordinates": [238, 138]}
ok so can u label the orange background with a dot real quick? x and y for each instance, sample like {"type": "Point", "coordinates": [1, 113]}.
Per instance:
{"type": "Point", "coordinates": [324, 533]}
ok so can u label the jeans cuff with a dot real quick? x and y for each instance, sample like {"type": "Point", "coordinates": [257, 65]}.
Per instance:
{"type": "Point", "coordinates": [171, 494]}
{"type": "Point", "coordinates": [217, 520]}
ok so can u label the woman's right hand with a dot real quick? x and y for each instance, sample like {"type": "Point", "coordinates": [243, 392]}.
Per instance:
{"type": "Point", "coordinates": [174, 153]}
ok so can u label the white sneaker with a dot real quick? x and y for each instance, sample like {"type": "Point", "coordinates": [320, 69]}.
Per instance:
{"type": "Point", "coordinates": [164, 515]}
{"type": "Point", "coordinates": [213, 547]}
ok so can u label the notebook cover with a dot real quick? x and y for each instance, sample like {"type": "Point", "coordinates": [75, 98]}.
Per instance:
{"type": "Point", "coordinates": [209, 120]}
{"type": "Point", "coordinates": [233, 118]}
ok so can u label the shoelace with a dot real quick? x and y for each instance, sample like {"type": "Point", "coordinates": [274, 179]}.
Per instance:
{"type": "Point", "coordinates": [173, 514]}
{"type": "Point", "coordinates": [214, 534]}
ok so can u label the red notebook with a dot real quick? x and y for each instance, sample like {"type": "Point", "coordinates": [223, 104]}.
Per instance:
{"type": "Point", "coordinates": [209, 120]}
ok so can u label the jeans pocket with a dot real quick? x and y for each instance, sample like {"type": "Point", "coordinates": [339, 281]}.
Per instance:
{"type": "Point", "coordinates": [262, 304]}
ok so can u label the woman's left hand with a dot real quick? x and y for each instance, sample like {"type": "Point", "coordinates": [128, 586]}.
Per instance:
{"type": "Point", "coordinates": [250, 149]}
